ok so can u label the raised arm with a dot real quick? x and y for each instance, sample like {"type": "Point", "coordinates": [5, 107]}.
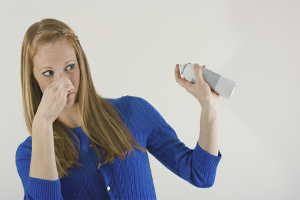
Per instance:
{"type": "Point", "coordinates": [196, 166]}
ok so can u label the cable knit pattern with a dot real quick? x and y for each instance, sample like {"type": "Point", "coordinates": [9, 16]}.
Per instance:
{"type": "Point", "coordinates": [123, 179]}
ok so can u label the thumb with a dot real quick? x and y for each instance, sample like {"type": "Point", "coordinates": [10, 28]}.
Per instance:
{"type": "Point", "coordinates": [198, 74]}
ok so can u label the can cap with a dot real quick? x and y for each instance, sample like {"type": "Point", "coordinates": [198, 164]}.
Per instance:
{"type": "Point", "coordinates": [181, 68]}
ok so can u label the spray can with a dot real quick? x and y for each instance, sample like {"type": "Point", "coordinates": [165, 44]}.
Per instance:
{"type": "Point", "coordinates": [217, 83]}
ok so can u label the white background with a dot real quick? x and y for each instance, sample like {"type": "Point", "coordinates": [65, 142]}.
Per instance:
{"type": "Point", "coordinates": [132, 48]}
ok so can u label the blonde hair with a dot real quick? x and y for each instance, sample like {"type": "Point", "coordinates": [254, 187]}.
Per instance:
{"type": "Point", "coordinates": [98, 117]}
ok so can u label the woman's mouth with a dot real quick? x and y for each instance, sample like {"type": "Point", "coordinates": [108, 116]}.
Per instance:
{"type": "Point", "coordinates": [70, 95]}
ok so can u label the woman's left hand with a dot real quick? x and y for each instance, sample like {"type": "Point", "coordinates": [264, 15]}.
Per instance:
{"type": "Point", "coordinates": [200, 90]}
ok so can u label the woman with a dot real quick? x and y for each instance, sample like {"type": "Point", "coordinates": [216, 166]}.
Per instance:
{"type": "Point", "coordinates": [80, 144]}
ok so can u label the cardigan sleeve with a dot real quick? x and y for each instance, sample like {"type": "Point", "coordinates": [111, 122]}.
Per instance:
{"type": "Point", "coordinates": [196, 166]}
{"type": "Point", "coordinates": [34, 188]}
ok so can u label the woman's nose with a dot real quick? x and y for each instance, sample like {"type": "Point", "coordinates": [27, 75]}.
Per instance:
{"type": "Point", "coordinates": [66, 77]}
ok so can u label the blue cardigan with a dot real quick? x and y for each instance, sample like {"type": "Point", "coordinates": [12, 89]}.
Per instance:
{"type": "Point", "coordinates": [123, 179]}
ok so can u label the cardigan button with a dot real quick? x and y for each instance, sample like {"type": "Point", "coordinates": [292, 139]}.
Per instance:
{"type": "Point", "coordinates": [90, 145]}
{"type": "Point", "coordinates": [108, 188]}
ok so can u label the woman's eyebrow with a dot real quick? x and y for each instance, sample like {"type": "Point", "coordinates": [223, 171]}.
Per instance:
{"type": "Point", "coordinates": [51, 67]}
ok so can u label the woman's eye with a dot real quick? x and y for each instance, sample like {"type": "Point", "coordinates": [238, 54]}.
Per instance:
{"type": "Point", "coordinates": [72, 67]}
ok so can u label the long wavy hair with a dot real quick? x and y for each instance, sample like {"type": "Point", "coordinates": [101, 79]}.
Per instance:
{"type": "Point", "coordinates": [98, 117]}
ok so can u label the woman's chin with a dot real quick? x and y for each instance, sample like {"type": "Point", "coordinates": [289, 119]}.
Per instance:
{"type": "Point", "coordinates": [70, 103]}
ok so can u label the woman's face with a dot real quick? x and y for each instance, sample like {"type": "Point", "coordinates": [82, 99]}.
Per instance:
{"type": "Point", "coordinates": [54, 61]}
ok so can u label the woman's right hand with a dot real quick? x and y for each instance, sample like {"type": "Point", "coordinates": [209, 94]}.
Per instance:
{"type": "Point", "coordinates": [54, 99]}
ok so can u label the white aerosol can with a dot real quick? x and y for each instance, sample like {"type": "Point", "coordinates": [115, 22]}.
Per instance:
{"type": "Point", "coordinates": [217, 83]}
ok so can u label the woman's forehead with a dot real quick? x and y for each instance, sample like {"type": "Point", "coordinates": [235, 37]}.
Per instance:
{"type": "Point", "coordinates": [53, 53]}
